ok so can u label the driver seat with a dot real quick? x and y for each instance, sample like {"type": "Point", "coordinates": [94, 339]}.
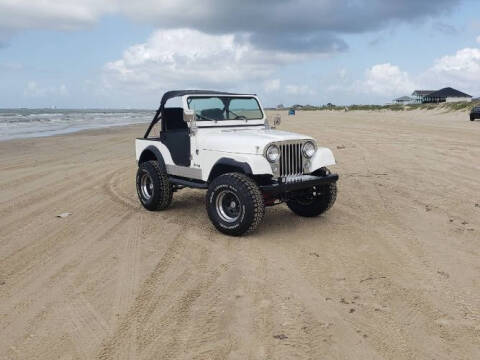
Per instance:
{"type": "Point", "coordinates": [175, 136]}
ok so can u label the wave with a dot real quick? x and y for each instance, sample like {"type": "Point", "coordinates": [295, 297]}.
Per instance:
{"type": "Point", "coordinates": [25, 123]}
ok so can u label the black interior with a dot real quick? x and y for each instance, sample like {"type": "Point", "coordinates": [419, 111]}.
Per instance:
{"type": "Point", "coordinates": [175, 135]}
{"type": "Point", "coordinates": [214, 114]}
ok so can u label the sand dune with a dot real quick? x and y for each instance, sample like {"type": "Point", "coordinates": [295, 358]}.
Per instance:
{"type": "Point", "coordinates": [391, 272]}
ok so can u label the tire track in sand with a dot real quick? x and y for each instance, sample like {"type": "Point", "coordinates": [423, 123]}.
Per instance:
{"type": "Point", "coordinates": [126, 286]}
{"type": "Point", "coordinates": [173, 320]}
{"type": "Point", "coordinates": [110, 346]}
{"type": "Point", "coordinates": [86, 326]}
{"type": "Point", "coordinates": [56, 281]}
{"type": "Point", "coordinates": [113, 189]}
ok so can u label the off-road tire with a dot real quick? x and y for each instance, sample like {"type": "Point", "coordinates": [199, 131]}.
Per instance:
{"type": "Point", "coordinates": [318, 205]}
{"type": "Point", "coordinates": [161, 196]}
{"type": "Point", "coordinates": [243, 190]}
{"type": "Point", "coordinates": [472, 118]}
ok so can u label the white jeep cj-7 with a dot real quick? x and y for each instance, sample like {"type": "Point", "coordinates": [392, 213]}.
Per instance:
{"type": "Point", "coordinates": [223, 143]}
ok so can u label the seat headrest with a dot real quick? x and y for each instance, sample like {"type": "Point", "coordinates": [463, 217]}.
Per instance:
{"type": "Point", "coordinates": [173, 118]}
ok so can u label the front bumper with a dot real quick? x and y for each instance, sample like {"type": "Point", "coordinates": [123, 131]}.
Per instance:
{"type": "Point", "coordinates": [298, 183]}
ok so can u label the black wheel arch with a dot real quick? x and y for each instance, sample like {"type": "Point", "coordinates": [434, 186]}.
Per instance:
{"type": "Point", "coordinates": [228, 165]}
{"type": "Point", "coordinates": [152, 153]}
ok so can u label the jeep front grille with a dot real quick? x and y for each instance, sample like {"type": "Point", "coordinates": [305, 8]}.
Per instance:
{"type": "Point", "coordinates": [291, 159]}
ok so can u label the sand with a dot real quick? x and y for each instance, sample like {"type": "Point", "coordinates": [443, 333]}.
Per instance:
{"type": "Point", "coordinates": [391, 272]}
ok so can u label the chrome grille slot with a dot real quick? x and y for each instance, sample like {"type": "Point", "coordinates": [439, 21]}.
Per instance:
{"type": "Point", "coordinates": [291, 159]}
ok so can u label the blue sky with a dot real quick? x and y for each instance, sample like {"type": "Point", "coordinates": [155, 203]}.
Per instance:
{"type": "Point", "coordinates": [110, 54]}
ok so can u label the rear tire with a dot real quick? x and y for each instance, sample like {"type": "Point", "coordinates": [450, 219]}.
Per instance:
{"type": "Point", "coordinates": [314, 201]}
{"type": "Point", "coordinates": [153, 188]}
{"type": "Point", "coordinates": [234, 204]}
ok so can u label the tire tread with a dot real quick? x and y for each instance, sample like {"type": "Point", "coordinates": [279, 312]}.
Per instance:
{"type": "Point", "coordinates": [254, 194]}
{"type": "Point", "coordinates": [167, 197]}
{"type": "Point", "coordinates": [258, 204]}
{"type": "Point", "coordinates": [163, 194]}
{"type": "Point", "coordinates": [322, 204]}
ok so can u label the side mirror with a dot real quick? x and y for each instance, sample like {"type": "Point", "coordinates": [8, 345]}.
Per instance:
{"type": "Point", "coordinates": [189, 116]}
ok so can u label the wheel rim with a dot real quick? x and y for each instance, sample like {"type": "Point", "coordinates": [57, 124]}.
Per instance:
{"type": "Point", "coordinates": [228, 206]}
{"type": "Point", "coordinates": [146, 186]}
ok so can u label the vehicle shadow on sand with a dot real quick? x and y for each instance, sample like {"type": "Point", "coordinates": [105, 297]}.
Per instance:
{"type": "Point", "coordinates": [188, 206]}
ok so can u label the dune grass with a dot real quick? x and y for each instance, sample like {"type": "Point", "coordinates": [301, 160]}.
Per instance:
{"type": "Point", "coordinates": [456, 106]}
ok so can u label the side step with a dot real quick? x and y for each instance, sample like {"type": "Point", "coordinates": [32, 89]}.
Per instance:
{"type": "Point", "coordinates": [188, 183]}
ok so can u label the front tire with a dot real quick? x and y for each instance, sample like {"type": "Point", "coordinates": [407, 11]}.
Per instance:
{"type": "Point", "coordinates": [314, 201]}
{"type": "Point", "coordinates": [234, 204]}
{"type": "Point", "coordinates": [153, 188]}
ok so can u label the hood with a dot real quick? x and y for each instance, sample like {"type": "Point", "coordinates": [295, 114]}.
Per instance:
{"type": "Point", "coordinates": [243, 141]}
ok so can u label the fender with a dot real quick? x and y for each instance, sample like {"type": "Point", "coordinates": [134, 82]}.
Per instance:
{"type": "Point", "coordinates": [231, 162]}
{"type": "Point", "coordinates": [323, 157]}
{"type": "Point", "coordinates": [145, 156]}
{"type": "Point", "coordinates": [228, 163]}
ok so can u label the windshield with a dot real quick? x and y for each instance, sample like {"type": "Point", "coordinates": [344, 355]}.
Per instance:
{"type": "Point", "coordinates": [214, 108]}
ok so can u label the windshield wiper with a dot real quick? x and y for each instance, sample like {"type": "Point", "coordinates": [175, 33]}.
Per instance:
{"type": "Point", "coordinates": [237, 117]}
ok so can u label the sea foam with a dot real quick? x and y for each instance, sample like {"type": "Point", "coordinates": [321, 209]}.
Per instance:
{"type": "Point", "coordinates": [25, 123]}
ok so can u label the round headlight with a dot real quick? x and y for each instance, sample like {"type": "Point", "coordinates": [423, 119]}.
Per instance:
{"type": "Point", "coordinates": [272, 153]}
{"type": "Point", "coordinates": [308, 149]}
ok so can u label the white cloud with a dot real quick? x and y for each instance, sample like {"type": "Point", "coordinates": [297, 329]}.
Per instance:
{"type": "Point", "coordinates": [319, 28]}
{"type": "Point", "coordinates": [464, 62]}
{"type": "Point", "coordinates": [271, 85]}
{"type": "Point", "coordinates": [460, 70]}
{"type": "Point", "coordinates": [293, 89]}
{"type": "Point", "coordinates": [11, 66]}
{"type": "Point", "coordinates": [33, 89]}
{"type": "Point", "coordinates": [52, 14]}
{"type": "Point", "coordinates": [342, 73]}
{"type": "Point", "coordinates": [63, 90]}
{"type": "Point", "coordinates": [189, 58]}
{"type": "Point", "coordinates": [386, 79]}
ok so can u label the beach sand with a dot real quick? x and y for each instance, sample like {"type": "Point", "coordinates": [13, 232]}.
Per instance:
{"type": "Point", "coordinates": [392, 271]}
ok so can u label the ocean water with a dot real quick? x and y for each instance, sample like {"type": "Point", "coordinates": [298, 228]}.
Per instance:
{"type": "Point", "coordinates": [26, 123]}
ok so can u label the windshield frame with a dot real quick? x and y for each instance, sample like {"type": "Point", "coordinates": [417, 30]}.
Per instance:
{"type": "Point", "coordinates": [231, 122]}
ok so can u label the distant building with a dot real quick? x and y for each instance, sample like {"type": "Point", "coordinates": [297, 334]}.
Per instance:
{"type": "Point", "coordinates": [418, 95]}
{"type": "Point", "coordinates": [447, 94]}
{"type": "Point", "coordinates": [280, 106]}
{"type": "Point", "coordinates": [404, 100]}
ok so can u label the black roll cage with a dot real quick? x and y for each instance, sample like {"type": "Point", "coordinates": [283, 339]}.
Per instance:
{"type": "Point", "coordinates": [175, 93]}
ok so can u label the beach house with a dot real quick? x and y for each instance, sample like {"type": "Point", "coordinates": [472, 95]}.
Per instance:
{"type": "Point", "coordinates": [404, 100]}
{"type": "Point", "coordinates": [418, 95]}
{"type": "Point", "coordinates": [447, 94]}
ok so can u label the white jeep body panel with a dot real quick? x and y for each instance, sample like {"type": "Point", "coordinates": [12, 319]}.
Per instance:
{"type": "Point", "coordinates": [203, 162]}
{"type": "Point", "coordinates": [251, 140]}
{"type": "Point", "coordinates": [239, 140]}
{"type": "Point", "coordinates": [323, 157]}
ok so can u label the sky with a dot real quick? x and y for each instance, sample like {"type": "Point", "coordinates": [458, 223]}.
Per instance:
{"type": "Point", "coordinates": [125, 54]}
